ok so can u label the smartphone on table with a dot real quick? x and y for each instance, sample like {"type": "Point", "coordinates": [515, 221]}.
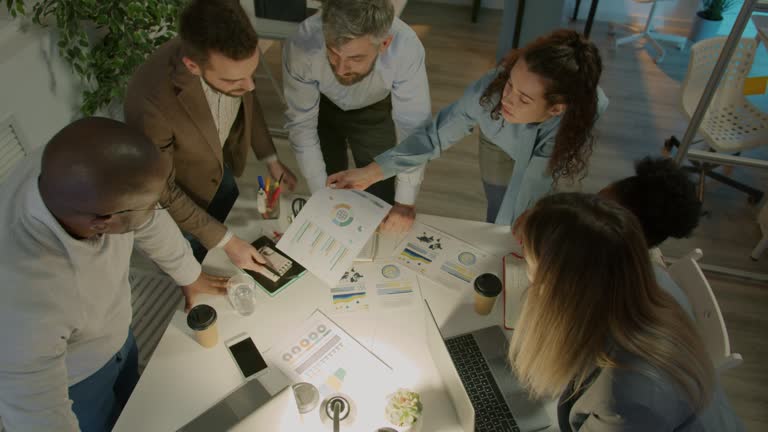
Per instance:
{"type": "Point", "coordinates": [247, 357]}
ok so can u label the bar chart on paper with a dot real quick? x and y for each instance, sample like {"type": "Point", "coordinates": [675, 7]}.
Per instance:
{"type": "Point", "coordinates": [323, 354]}
{"type": "Point", "coordinates": [331, 230]}
{"type": "Point", "coordinates": [443, 258]}
{"type": "Point", "coordinates": [320, 243]}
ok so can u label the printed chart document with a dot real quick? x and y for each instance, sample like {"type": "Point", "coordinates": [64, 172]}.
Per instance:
{"type": "Point", "coordinates": [323, 354]}
{"type": "Point", "coordinates": [443, 258]}
{"type": "Point", "coordinates": [375, 286]}
{"type": "Point", "coordinates": [331, 230]}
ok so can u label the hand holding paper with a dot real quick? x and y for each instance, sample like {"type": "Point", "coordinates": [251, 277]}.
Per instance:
{"type": "Point", "coordinates": [331, 230]}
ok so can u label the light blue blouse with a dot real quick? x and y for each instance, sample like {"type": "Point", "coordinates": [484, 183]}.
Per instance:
{"type": "Point", "coordinates": [530, 145]}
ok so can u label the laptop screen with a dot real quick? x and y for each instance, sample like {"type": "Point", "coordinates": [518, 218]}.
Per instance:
{"type": "Point", "coordinates": [459, 397]}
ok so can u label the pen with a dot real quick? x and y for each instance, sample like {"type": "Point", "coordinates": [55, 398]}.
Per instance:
{"type": "Point", "coordinates": [276, 194]}
{"type": "Point", "coordinates": [266, 188]}
{"type": "Point", "coordinates": [261, 182]}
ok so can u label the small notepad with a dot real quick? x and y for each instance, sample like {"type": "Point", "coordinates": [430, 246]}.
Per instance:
{"type": "Point", "coordinates": [515, 284]}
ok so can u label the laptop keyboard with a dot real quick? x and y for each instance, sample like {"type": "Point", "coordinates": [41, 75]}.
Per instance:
{"type": "Point", "coordinates": [491, 411]}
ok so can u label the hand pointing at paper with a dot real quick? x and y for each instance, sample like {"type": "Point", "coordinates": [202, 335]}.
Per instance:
{"type": "Point", "coordinates": [358, 178]}
{"type": "Point", "coordinates": [400, 217]}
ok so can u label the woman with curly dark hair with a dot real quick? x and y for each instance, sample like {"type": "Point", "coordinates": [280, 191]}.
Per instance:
{"type": "Point", "coordinates": [538, 107]}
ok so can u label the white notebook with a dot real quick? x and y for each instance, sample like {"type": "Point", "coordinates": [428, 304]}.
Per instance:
{"type": "Point", "coordinates": [515, 283]}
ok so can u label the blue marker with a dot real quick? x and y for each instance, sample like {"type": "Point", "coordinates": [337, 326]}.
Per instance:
{"type": "Point", "coordinates": [261, 182]}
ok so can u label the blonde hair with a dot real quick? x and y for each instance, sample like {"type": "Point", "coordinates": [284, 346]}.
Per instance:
{"type": "Point", "coordinates": [594, 289]}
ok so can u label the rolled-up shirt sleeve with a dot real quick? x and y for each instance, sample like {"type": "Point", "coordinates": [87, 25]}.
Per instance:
{"type": "Point", "coordinates": [302, 96]}
{"type": "Point", "coordinates": [430, 140]}
{"type": "Point", "coordinates": [411, 110]}
{"type": "Point", "coordinates": [161, 239]}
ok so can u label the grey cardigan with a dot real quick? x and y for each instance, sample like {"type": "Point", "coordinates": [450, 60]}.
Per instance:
{"type": "Point", "coordinates": [639, 397]}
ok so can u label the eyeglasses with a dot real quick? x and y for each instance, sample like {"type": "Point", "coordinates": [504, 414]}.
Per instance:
{"type": "Point", "coordinates": [121, 212]}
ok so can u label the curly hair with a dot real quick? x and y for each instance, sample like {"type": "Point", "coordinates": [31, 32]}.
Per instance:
{"type": "Point", "coordinates": [571, 66]}
{"type": "Point", "coordinates": [663, 197]}
{"type": "Point", "coordinates": [216, 25]}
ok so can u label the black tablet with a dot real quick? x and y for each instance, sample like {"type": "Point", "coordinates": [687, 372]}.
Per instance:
{"type": "Point", "coordinates": [287, 269]}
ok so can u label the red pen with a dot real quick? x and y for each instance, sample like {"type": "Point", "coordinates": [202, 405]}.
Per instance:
{"type": "Point", "coordinates": [274, 197]}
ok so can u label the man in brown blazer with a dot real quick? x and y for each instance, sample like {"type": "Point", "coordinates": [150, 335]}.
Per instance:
{"type": "Point", "coordinates": [194, 99]}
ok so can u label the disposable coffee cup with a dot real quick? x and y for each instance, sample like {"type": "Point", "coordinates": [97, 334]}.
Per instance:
{"type": "Point", "coordinates": [202, 319]}
{"type": "Point", "coordinates": [487, 288]}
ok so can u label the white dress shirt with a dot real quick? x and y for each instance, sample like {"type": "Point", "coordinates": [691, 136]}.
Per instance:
{"type": "Point", "coordinates": [224, 109]}
{"type": "Point", "coordinates": [66, 303]}
{"type": "Point", "coordinates": [398, 71]}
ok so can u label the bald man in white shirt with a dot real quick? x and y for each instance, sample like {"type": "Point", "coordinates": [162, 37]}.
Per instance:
{"type": "Point", "coordinates": [68, 225]}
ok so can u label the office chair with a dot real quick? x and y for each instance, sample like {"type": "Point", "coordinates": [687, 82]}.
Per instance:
{"type": "Point", "coordinates": [708, 318]}
{"type": "Point", "coordinates": [731, 124]}
{"type": "Point", "coordinates": [651, 35]}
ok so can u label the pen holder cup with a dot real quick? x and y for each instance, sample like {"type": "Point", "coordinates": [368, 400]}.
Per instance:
{"type": "Point", "coordinates": [272, 212]}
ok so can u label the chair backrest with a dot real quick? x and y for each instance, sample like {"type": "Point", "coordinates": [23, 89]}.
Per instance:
{"type": "Point", "coordinates": [709, 320]}
{"type": "Point", "coordinates": [731, 122]}
{"type": "Point", "coordinates": [12, 146]}
{"type": "Point", "coordinates": [704, 56]}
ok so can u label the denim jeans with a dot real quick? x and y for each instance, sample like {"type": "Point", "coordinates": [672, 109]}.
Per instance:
{"type": "Point", "coordinates": [98, 400]}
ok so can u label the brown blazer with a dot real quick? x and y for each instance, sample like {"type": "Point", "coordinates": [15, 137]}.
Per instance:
{"type": "Point", "coordinates": [167, 103]}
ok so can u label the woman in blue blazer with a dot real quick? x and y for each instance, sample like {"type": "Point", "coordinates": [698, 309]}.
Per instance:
{"type": "Point", "coordinates": [538, 108]}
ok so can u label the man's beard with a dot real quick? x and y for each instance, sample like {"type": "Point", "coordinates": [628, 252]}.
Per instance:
{"type": "Point", "coordinates": [242, 91]}
{"type": "Point", "coordinates": [354, 78]}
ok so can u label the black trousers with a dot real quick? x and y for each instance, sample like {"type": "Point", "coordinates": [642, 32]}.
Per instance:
{"type": "Point", "coordinates": [219, 208]}
{"type": "Point", "coordinates": [367, 132]}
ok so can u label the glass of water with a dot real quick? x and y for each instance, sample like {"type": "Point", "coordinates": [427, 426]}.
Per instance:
{"type": "Point", "coordinates": [241, 289]}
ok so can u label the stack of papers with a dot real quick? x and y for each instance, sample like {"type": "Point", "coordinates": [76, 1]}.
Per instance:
{"type": "Point", "coordinates": [331, 230]}
{"type": "Point", "coordinates": [443, 258]}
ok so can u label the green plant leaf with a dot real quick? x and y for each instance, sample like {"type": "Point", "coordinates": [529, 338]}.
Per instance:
{"type": "Point", "coordinates": [105, 40]}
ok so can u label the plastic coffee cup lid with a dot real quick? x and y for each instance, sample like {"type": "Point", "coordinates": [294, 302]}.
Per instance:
{"type": "Point", "coordinates": [201, 317]}
{"type": "Point", "coordinates": [307, 396]}
{"type": "Point", "coordinates": [488, 285]}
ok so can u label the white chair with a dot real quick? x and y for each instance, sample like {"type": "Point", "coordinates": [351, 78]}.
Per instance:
{"type": "Point", "coordinates": [652, 36]}
{"type": "Point", "coordinates": [709, 320]}
{"type": "Point", "coordinates": [731, 124]}
{"type": "Point", "coordinates": [12, 146]}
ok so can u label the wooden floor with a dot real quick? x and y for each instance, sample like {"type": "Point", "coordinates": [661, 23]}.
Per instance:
{"type": "Point", "coordinates": [644, 111]}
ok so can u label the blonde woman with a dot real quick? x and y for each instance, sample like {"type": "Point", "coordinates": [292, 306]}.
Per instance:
{"type": "Point", "coordinates": [597, 331]}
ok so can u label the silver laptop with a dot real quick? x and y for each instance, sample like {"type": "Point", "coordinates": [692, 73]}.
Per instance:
{"type": "Point", "coordinates": [483, 389]}
{"type": "Point", "coordinates": [248, 406]}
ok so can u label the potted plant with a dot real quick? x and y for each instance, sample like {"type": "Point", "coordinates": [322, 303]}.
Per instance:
{"type": "Point", "coordinates": [707, 21]}
{"type": "Point", "coordinates": [103, 40]}
{"type": "Point", "coordinates": [404, 410]}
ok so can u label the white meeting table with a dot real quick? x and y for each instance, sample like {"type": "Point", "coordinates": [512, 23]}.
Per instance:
{"type": "Point", "coordinates": [182, 379]}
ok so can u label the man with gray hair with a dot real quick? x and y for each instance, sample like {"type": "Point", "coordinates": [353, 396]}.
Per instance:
{"type": "Point", "coordinates": [354, 77]}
